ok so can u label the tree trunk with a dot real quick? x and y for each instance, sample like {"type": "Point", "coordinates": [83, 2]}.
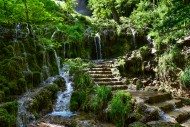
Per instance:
{"type": "Point", "coordinates": [115, 14]}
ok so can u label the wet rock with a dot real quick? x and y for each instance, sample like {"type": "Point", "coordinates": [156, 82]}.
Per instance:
{"type": "Point", "coordinates": [137, 124]}
{"type": "Point", "coordinates": [162, 124]}
{"type": "Point", "coordinates": [60, 81]}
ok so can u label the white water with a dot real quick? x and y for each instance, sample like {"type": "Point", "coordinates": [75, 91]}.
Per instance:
{"type": "Point", "coordinates": [133, 31]}
{"type": "Point", "coordinates": [17, 29]}
{"type": "Point", "coordinates": [24, 117]}
{"type": "Point", "coordinates": [98, 46]}
{"type": "Point", "coordinates": [62, 106]}
{"type": "Point", "coordinates": [45, 67]}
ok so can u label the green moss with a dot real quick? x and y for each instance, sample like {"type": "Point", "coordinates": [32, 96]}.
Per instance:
{"type": "Point", "coordinates": [8, 114]}
{"type": "Point", "coordinates": [2, 96]}
{"type": "Point", "coordinates": [37, 78]}
{"type": "Point", "coordinates": [29, 79]}
{"type": "Point", "coordinates": [13, 88]}
{"type": "Point", "coordinates": [43, 100]}
{"type": "Point", "coordinates": [22, 85]}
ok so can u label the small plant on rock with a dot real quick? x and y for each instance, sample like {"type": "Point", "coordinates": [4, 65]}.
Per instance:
{"type": "Point", "coordinates": [185, 77]}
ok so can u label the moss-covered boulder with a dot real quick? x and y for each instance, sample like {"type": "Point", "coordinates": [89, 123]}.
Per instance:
{"type": "Point", "coordinates": [37, 78]}
{"type": "Point", "coordinates": [2, 96]}
{"type": "Point", "coordinates": [22, 85]}
{"type": "Point", "coordinates": [60, 81]}
{"type": "Point", "coordinates": [8, 114]}
{"type": "Point", "coordinates": [43, 100]}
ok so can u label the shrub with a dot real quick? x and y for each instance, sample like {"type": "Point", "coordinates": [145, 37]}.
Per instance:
{"type": "Point", "coordinates": [82, 80]}
{"type": "Point", "coordinates": [84, 86]}
{"type": "Point", "coordinates": [101, 99]}
{"type": "Point", "coordinates": [120, 107]}
{"type": "Point", "coordinates": [185, 77]}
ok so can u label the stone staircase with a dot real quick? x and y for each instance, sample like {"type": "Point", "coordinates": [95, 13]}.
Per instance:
{"type": "Point", "coordinates": [169, 109]}
{"type": "Point", "coordinates": [104, 73]}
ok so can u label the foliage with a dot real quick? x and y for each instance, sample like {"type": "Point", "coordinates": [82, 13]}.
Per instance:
{"type": "Point", "coordinates": [185, 77]}
{"type": "Point", "coordinates": [77, 64]}
{"type": "Point", "coordinates": [100, 100]}
{"type": "Point", "coordinates": [84, 86]}
{"type": "Point", "coordinates": [170, 62]}
{"type": "Point", "coordinates": [166, 20]}
{"type": "Point", "coordinates": [82, 80]}
{"type": "Point", "coordinates": [104, 8]}
{"type": "Point", "coordinates": [120, 107]}
{"type": "Point", "coordinates": [8, 114]}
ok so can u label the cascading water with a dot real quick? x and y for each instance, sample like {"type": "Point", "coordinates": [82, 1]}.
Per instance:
{"type": "Point", "coordinates": [63, 101]}
{"type": "Point", "coordinates": [17, 29]}
{"type": "Point", "coordinates": [24, 117]}
{"type": "Point", "coordinates": [45, 68]}
{"type": "Point", "coordinates": [97, 41]}
{"type": "Point", "coordinates": [133, 31]}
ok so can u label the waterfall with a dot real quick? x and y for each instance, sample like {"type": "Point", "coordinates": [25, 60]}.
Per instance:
{"type": "Point", "coordinates": [97, 41]}
{"type": "Point", "coordinates": [96, 48]}
{"type": "Point", "coordinates": [17, 28]}
{"type": "Point", "coordinates": [45, 68]}
{"type": "Point", "coordinates": [52, 36]}
{"type": "Point", "coordinates": [64, 50]}
{"type": "Point", "coordinates": [28, 31]}
{"type": "Point", "coordinates": [62, 106]}
{"type": "Point", "coordinates": [24, 117]}
{"type": "Point", "coordinates": [133, 31]}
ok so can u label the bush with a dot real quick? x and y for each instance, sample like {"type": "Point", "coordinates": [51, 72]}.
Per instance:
{"type": "Point", "coordinates": [120, 107]}
{"type": "Point", "coordinates": [82, 80]}
{"type": "Point", "coordinates": [100, 100]}
{"type": "Point", "coordinates": [84, 86]}
{"type": "Point", "coordinates": [185, 77]}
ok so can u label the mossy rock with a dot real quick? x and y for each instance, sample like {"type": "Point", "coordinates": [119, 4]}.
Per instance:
{"type": "Point", "coordinates": [8, 114]}
{"type": "Point", "coordinates": [137, 124]}
{"type": "Point", "coordinates": [37, 78]}
{"type": "Point", "coordinates": [22, 85]}
{"type": "Point", "coordinates": [42, 101]}
{"type": "Point", "coordinates": [12, 68]}
{"type": "Point", "coordinates": [29, 79]}
{"type": "Point", "coordinates": [163, 124]}
{"type": "Point", "coordinates": [60, 81]}
{"type": "Point", "coordinates": [2, 96]}
{"type": "Point", "coordinates": [13, 88]}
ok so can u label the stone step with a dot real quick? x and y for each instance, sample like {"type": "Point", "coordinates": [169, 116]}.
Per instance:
{"type": "Point", "coordinates": [106, 79]}
{"type": "Point", "coordinates": [102, 76]}
{"type": "Point", "coordinates": [169, 105]}
{"type": "Point", "coordinates": [186, 123]}
{"type": "Point", "coordinates": [157, 98]}
{"type": "Point", "coordinates": [110, 83]}
{"type": "Point", "coordinates": [180, 114]}
{"type": "Point", "coordinates": [100, 72]}
{"type": "Point", "coordinates": [103, 66]}
{"type": "Point", "coordinates": [100, 69]}
{"type": "Point", "coordinates": [118, 87]}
